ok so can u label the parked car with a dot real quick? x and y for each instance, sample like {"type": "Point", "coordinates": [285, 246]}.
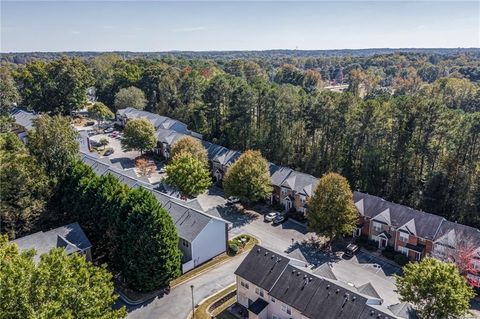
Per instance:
{"type": "Point", "coordinates": [162, 170]}
{"type": "Point", "coordinates": [108, 152]}
{"type": "Point", "coordinates": [279, 219]}
{"type": "Point", "coordinates": [113, 135]}
{"type": "Point", "coordinates": [91, 133]}
{"type": "Point", "coordinates": [232, 200]}
{"type": "Point", "coordinates": [270, 216]}
{"type": "Point", "coordinates": [350, 250]}
{"type": "Point", "coordinates": [89, 123]}
{"type": "Point", "coordinates": [108, 130]}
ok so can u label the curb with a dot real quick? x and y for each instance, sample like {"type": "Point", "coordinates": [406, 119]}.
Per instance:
{"type": "Point", "coordinates": [204, 299]}
{"type": "Point", "coordinates": [130, 302]}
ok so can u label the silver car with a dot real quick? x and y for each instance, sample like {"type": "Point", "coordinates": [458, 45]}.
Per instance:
{"type": "Point", "coordinates": [270, 216]}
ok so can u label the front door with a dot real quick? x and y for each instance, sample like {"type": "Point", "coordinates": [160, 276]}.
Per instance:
{"type": "Point", "coordinates": [288, 204]}
{"type": "Point", "coordinates": [382, 243]}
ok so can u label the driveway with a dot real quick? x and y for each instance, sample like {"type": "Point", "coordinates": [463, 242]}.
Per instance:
{"type": "Point", "coordinates": [126, 159]}
{"type": "Point", "coordinates": [357, 271]}
{"type": "Point", "coordinates": [178, 303]}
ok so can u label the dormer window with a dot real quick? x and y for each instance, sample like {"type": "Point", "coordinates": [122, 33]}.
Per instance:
{"type": "Point", "coordinates": [377, 226]}
{"type": "Point", "coordinates": [404, 237]}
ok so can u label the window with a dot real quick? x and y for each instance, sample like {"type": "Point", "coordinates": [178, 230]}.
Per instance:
{"type": "Point", "coordinates": [286, 308]}
{"type": "Point", "coordinates": [244, 284]}
{"type": "Point", "coordinates": [185, 243]}
{"type": "Point", "coordinates": [403, 250]}
{"type": "Point", "coordinates": [404, 237]}
{"type": "Point", "coordinates": [418, 256]}
{"type": "Point", "coordinates": [284, 191]}
{"type": "Point", "coordinates": [259, 291]}
{"type": "Point", "coordinates": [272, 299]}
{"type": "Point", "coordinates": [302, 199]}
{"type": "Point", "coordinates": [377, 226]}
{"type": "Point", "coordinates": [274, 317]}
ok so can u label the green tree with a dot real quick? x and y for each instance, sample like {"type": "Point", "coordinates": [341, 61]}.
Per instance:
{"type": "Point", "coordinates": [58, 86]}
{"type": "Point", "coordinates": [188, 174]}
{"type": "Point", "coordinates": [101, 112]}
{"type": "Point", "coordinates": [139, 135]}
{"type": "Point", "coordinates": [331, 211]}
{"type": "Point", "coordinates": [103, 142]}
{"type": "Point", "coordinates": [24, 187]}
{"type": "Point", "coordinates": [149, 252]}
{"type": "Point", "coordinates": [436, 289]}
{"type": "Point", "coordinates": [8, 91]}
{"type": "Point", "coordinates": [54, 143]}
{"type": "Point", "coordinates": [248, 178]}
{"type": "Point", "coordinates": [190, 145]}
{"type": "Point", "coordinates": [130, 97]}
{"type": "Point", "coordinates": [59, 286]}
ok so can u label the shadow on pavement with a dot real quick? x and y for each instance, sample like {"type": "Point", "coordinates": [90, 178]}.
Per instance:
{"type": "Point", "coordinates": [313, 252]}
{"type": "Point", "coordinates": [234, 215]}
{"type": "Point", "coordinates": [124, 161]}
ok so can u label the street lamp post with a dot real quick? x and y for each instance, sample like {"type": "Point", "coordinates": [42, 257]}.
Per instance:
{"type": "Point", "coordinates": [193, 303]}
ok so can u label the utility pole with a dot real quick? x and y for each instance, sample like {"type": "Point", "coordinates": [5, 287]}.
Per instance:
{"type": "Point", "coordinates": [193, 303]}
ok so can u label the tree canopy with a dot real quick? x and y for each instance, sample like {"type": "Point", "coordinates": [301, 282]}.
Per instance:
{"type": "Point", "coordinates": [25, 188]}
{"type": "Point", "coordinates": [436, 289]}
{"type": "Point", "coordinates": [58, 86]}
{"type": "Point", "coordinates": [331, 211]}
{"type": "Point", "coordinates": [139, 135]}
{"type": "Point", "coordinates": [101, 111]}
{"type": "Point", "coordinates": [130, 97]}
{"type": "Point", "coordinates": [248, 178]}
{"type": "Point", "coordinates": [59, 286]}
{"type": "Point", "coordinates": [190, 145]}
{"type": "Point", "coordinates": [8, 91]}
{"type": "Point", "coordinates": [188, 174]}
{"type": "Point", "coordinates": [53, 142]}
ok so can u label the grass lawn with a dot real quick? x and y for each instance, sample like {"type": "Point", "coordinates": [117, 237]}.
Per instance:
{"type": "Point", "coordinates": [202, 310]}
{"type": "Point", "coordinates": [251, 241]}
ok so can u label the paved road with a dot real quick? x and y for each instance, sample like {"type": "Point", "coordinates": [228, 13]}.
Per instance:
{"type": "Point", "coordinates": [358, 270]}
{"type": "Point", "coordinates": [178, 304]}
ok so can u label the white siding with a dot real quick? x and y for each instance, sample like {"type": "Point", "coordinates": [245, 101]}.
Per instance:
{"type": "Point", "coordinates": [210, 242]}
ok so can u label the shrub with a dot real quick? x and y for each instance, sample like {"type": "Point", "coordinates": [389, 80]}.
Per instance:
{"type": "Point", "coordinates": [233, 248]}
{"type": "Point", "coordinates": [388, 253]}
{"type": "Point", "coordinates": [401, 259]}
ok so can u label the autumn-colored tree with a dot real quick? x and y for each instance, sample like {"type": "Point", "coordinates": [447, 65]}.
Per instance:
{"type": "Point", "coordinates": [331, 211]}
{"type": "Point", "coordinates": [190, 145]}
{"type": "Point", "coordinates": [248, 178]}
{"type": "Point", "coordinates": [188, 174]}
{"type": "Point", "coordinates": [145, 167]}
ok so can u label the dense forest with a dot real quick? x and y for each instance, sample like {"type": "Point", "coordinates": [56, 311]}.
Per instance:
{"type": "Point", "coordinates": [406, 127]}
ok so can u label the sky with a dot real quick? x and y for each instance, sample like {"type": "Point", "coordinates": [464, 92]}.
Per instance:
{"type": "Point", "coordinates": [230, 25]}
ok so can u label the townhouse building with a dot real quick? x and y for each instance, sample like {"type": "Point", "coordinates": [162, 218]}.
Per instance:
{"type": "Point", "coordinates": [269, 286]}
{"type": "Point", "coordinates": [414, 233]}
{"type": "Point", "coordinates": [202, 236]}
{"type": "Point", "coordinates": [69, 237]}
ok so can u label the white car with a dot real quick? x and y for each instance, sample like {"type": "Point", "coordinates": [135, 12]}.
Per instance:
{"type": "Point", "coordinates": [270, 216]}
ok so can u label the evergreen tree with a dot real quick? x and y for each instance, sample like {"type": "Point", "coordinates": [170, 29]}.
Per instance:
{"type": "Point", "coordinates": [149, 252]}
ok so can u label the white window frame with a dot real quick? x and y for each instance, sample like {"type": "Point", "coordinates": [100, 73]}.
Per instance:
{"type": "Point", "coordinates": [259, 291]}
{"type": "Point", "coordinates": [376, 226]}
{"type": "Point", "coordinates": [403, 237]}
{"type": "Point", "coordinates": [403, 250]}
{"type": "Point", "coordinates": [273, 299]}
{"type": "Point", "coordinates": [244, 284]}
{"type": "Point", "coordinates": [286, 308]}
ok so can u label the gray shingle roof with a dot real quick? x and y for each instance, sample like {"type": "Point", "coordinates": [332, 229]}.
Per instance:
{"type": "Point", "coordinates": [262, 267]}
{"type": "Point", "coordinates": [325, 271]}
{"type": "Point", "coordinates": [369, 290]}
{"type": "Point", "coordinates": [24, 118]}
{"type": "Point", "coordinates": [278, 174]}
{"type": "Point", "coordinates": [71, 237]}
{"type": "Point", "coordinates": [300, 182]}
{"type": "Point", "coordinates": [188, 221]}
{"type": "Point", "coordinates": [403, 310]}
{"type": "Point", "coordinates": [314, 297]}
{"type": "Point", "coordinates": [426, 224]}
